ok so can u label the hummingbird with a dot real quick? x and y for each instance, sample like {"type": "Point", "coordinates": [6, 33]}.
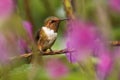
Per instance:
{"type": "Point", "coordinates": [47, 34]}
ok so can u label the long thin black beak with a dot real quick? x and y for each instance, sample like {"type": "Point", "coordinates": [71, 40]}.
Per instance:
{"type": "Point", "coordinates": [64, 19]}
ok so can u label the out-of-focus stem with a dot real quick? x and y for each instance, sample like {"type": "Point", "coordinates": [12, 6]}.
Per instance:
{"type": "Point", "coordinates": [28, 12]}
{"type": "Point", "coordinates": [104, 26]}
{"type": "Point", "coordinates": [102, 18]}
{"type": "Point", "coordinates": [83, 9]}
{"type": "Point", "coordinates": [69, 9]}
{"type": "Point", "coordinates": [73, 3]}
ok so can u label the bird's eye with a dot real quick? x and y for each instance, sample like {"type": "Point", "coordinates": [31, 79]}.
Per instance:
{"type": "Point", "coordinates": [52, 21]}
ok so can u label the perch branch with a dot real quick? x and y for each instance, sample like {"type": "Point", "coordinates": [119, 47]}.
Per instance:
{"type": "Point", "coordinates": [115, 43]}
{"type": "Point", "coordinates": [26, 55]}
{"type": "Point", "coordinates": [48, 53]}
{"type": "Point", "coordinates": [57, 52]}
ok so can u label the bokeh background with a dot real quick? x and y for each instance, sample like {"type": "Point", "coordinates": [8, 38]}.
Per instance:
{"type": "Point", "coordinates": [94, 23]}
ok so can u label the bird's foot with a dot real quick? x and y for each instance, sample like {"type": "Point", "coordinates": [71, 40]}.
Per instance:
{"type": "Point", "coordinates": [51, 50]}
{"type": "Point", "coordinates": [41, 52]}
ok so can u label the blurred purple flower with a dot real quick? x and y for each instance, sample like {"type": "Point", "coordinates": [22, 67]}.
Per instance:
{"type": "Point", "coordinates": [28, 27]}
{"type": "Point", "coordinates": [104, 56]}
{"type": "Point", "coordinates": [81, 37]}
{"type": "Point", "coordinates": [115, 4]}
{"type": "Point", "coordinates": [104, 66]}
{"type": "Point", "coordinates": [85, 40]}
{"type": "Point", "coordinates": [23, 46]}
{"type": "Point", "coordinates": [56, 69]}
{"type": "Point", "coordinates": [6, 7]}
{"type": "Point", "coordinates": [103, 53]}
{"type": "Point", "coordinates": [116, 52]}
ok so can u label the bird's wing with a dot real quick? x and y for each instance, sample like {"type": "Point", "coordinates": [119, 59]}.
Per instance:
{"type": "Point", "coordinates": [37, 35]}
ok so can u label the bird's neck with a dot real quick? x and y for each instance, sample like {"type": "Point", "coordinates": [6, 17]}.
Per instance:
{"type": "Point", "coordinates": [52, 27]}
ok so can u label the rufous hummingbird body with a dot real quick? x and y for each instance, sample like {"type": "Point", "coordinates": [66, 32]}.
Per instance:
{"type": "Point", "coordinates": [47, 35]}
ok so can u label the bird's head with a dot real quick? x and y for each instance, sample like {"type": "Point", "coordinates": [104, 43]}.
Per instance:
{"type": "Point", "coordinates": [53, 22]}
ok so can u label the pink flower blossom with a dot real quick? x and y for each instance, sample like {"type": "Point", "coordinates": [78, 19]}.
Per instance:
{"type": "Point", "coordinates": [28, 27]}
{"type": "Point", "coordinates": [104, 66]}
{"type": "Point", "coordinates": [56, 69]}
{"type": "Point", "coordinates": [117, 53]}
{"type": "Point", "coordinates": [105, 61]}
{"type": "Point", "coordinates": [23, 46]}
{"type": "Point", "coordinates": [6, 7]}
{"type": "Point", "coordinates": [81, 37]}
{"type": "Point", "coordinates": [115, 4]}
{"type": "Point", "coordinates": [85, 40]}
